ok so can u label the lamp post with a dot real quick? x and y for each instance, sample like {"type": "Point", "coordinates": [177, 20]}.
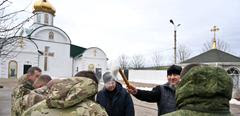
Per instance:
{"type": "Point", "coordinates": [175, 40]}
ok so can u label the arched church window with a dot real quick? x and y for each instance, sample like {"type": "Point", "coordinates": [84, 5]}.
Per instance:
{"type": "Point", "coordinates": [12, 69]}
{"type": "Point", "coordinates": [234, 73]}
{"type": "Point", "coordinates": [51, 35]}
{"type": "Point", "coordinates": [46, 18]}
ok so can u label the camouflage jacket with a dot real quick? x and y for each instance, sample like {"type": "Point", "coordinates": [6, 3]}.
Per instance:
{"type": "Point", "coordinates": [23, 87]}
{"type": "Point", "coordinates": [70, 97]}
{"type": "Point", "coordinates": [204, 91]}
{"type": "Point", "coordinates": [35, 96]}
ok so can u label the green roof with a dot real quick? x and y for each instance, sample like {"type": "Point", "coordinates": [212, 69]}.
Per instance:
{"type": "Point", "coordinates": [213, 55]}
{"type": "Point", "coordinates": [76, 50]}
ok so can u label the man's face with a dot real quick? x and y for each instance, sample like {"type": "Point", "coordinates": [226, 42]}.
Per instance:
{"type": "Point", "coordinates": [110, 85]}
{"type": "Point", "coordinates": [35, 75]}
{"type": "Point", "coordinates": [173, 79]}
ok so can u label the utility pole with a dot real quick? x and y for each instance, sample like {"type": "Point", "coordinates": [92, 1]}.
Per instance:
{"type": "Point", "coordinates": [175, 40]}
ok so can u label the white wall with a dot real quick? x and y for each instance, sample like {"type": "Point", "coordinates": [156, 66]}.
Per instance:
{"type": "Point", "coordinates": [88, 57]}
{"type": "Point", "coordinates": [27, 55]}
{"type": "Point", "coordinates": [43, 34]}
{"type": "Point", "coordinates": [147, 76]}
{"type": "Point", "coordinates": [60, 65]}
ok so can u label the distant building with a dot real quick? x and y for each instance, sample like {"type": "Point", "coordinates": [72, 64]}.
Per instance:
{"type": "Point", "coordinates": [218, 58]}
{"type": "Point", "coordinates": [51, 49]}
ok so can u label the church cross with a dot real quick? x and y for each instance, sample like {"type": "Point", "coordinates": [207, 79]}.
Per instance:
{"type": "Point", "coordinates": [46, 54]}
{"type": "Point", "coordinates": [214, 30]}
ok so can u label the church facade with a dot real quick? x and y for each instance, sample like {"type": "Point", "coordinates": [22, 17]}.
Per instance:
{"type": "Point", "coordinates": [50, 48]}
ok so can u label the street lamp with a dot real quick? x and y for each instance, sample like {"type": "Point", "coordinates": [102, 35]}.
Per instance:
{"type": "Point", "coordinates": [175, 40]}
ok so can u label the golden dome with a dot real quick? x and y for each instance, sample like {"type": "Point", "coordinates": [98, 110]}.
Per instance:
{"type": "Point", "coordinates": [43, 5]}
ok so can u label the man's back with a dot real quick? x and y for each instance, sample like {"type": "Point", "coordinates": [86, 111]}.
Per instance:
{"type": "Point", "coordinates": [195, 113]}
{"type": "Point", "coordinates": [85, 108]}
{"type": "Point", "coordinates": [204, 91]}
{"type": "Point", "coordinates": [70, 97]}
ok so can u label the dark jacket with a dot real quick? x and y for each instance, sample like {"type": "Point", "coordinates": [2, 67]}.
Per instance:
{"type": "Point", "coordinates": [204, 91]}
{"type": "Point", "coordinates": [118, 103]}
{"type": "Point", "coordinates": [164, 95]}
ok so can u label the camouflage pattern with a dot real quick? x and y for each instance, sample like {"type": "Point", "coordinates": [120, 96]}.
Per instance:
{"type": "Point", "coordinates": [23, 87]}
{"type": "Point", "coordinates": [204, 91]}
{"type": "Point", "coordinates": [70, 97]}
{"type": "Point", "coordinates": [35, 96]}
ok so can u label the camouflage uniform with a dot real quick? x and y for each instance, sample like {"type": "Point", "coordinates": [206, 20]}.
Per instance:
{"type": "Point", "coordinates": [35, 96]}
{"type": "Point", "coordinates": [70, 97]}
{"type": "Point", "coordinates": [204, 91]}
{"type": "Point", "coordinates": [23, 88]}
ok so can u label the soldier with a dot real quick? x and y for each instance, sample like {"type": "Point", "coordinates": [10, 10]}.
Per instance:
{"type": "Point", "coordinates": [24, 86]}
{"type": "Point", "coordinates": [163, 95]}
{"type": "Point", "coordinates": [70, 97]}
{"type": "Point", "coordinates": [32, 74]}
{"type": "Point", "coordinates": [114, 98]}
{"type": "Point", "coordinates": [52, 82]}
{"type": "Point", "coordinates": [35, 96]}
{"type": "Point", "coordinates": [39, 93]}
{"type": "Point", "coordinates": [42, 81]}
{"type": "Point", "coordinates": [203, 91]}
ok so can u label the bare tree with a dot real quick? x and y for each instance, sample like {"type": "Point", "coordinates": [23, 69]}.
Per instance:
{"type": "Point", "coordinates": [221, 45]}
{"type": "Point", "coordinates": [156, 59]}
{"type": "Point", "coordinates": [183, 53]}
{"type": "Point", "coordinates": [123, 61]}
{"type": "Point", "coordinates": [137, 62]}
{"type": "Point", "coordinates": [10, 26]}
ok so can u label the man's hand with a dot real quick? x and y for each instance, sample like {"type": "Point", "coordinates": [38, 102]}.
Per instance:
{"type": "Point", "coordinates": [131, 89]}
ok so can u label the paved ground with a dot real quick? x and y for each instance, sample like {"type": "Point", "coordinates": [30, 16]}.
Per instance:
{"type": "Point", "coordinates": [141, 108]}
{"type": "Point", "coordinates": [5, 96]}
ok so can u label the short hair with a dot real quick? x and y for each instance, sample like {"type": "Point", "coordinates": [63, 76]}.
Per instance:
{"type": "Point", "coordinates": [32, 70]}
{"type": "Point", "coordinates": [107, 76]}
{"type": "Point", "coordinates": [43, 79]}
{"type": "Point", "coordinates": [174, 69]}
{"type": "Point", "coordinates": [87, 74]}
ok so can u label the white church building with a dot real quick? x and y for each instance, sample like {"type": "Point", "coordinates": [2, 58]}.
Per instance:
{"type": "Point", "coordinates": [50, 48]}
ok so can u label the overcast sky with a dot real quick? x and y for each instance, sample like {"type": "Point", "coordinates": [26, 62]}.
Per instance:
{"type": "Point", "coordinates": [135, 27]}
